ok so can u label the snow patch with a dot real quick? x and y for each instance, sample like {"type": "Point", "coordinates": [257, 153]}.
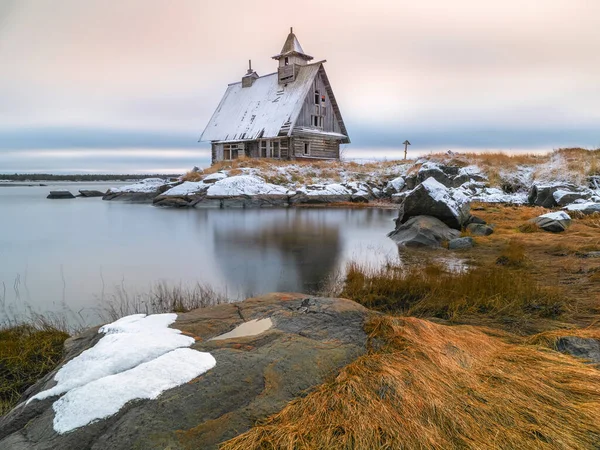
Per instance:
{"type": "Point", "coordinates": [217, 176]}
{"type": "Point", "coordinates": [129, 344]}
{"type": "Point", "coordinates": [244, 185]}
{"type": "Point", "coordinates": [105, 397]}
{"type": "Point", "coordinates": [187, 188]}
{"type": "Point", "coordinates": [558, 215]}
{"type": "Point", "coordinates": [147, 185]}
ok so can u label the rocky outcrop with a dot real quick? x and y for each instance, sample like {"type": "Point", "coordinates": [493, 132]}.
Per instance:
{"type": "Point", "coordinates": [54, 195]}
{"type": "Point", "coordinates": [423, 231]}
{"type": "Point", "coordinates": [256, 375]}
{"type": "Point", "coordinates": [449, 176]}
{"type": "Point", "coordinates": [564, 198]}
{"type": "Point", "coordinates": [554, 222]}
{"type": "Point", "coordinates": [431, 198]}
{"type": "Point", "coordinates": [543, 195]}
{"type": "Point", "coordinates": [142, 192]}
{"type": "Point", "coordinates": [584, 208]}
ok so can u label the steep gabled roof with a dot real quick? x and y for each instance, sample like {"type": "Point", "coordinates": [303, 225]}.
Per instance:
{"type": "Point", "coordinates": [261, 110]}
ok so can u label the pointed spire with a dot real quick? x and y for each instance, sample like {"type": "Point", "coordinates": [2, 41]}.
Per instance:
{"type": "Point", "coordinates": [292, 47]}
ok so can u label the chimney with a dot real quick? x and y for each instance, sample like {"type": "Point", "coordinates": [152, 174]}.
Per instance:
{"type": "Point", "coordinates": [251, 75]}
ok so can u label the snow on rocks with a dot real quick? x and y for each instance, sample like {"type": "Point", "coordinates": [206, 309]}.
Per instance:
{"type": "Point", "coordinates": [147, 185]}
{"type": "Point", "coordinates": [187, 188]}
{"type": "Point", "coordinates": [244, 185]}
{"type": "Point", "coordinates": [214, 177]}
{"type": "Point", "coordinates": [431, 198]}
{"type": "Point", "coordinates": [584, 208]}
{"type": "Point", "coordinates": [139, 356]}
{"type": "Point", "coordinates": [554, 222]}
{"type": "Point", "coordinates": [564, 197]}
{"type": "Point", "coordinates": [395, 186]}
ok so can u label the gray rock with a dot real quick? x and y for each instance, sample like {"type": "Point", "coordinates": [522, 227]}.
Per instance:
{"type": "Point", "coordinates": [555, 222]}
{"type": "Point", "coordinates": [460, 243]}
{"type": "Point", "coordinates": [431, 198]}
{"type": "Point", "coordinates": [588, 255]}
{"type": "Point", "coordinates": [543, 195]}
{"type": "Point", "coordinates": [423, 231]}
{"type": "Point", "coordinates": [477, 220]}
{"type": "Point", "coordinates": [59, 195]}
{"type": "Point", "coordinates": [91, 193]}
{"type": "Point", "coordinates": [586, 348]}
{"type": "Point", "coordinates": [394, 186]}
{"type": "Point", "coordinates": [479, 229]}
{"type": "Point", "coordinates": [255, 377]}
{"type": "Point", "coordinates": [564, 198]}
{"type": "Point", "coordinates": [137, 197]}
{"type": "Point", "coordinates": [586, 208]}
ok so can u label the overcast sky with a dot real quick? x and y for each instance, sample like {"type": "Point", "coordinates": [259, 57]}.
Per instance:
{"type": "Point", "coordinates": [128, 85]}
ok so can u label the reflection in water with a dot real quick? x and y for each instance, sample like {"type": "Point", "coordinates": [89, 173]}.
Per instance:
{"type": "Point", "coordinates": [295, 252]}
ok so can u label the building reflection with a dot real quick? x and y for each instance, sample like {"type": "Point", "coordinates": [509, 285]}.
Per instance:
{"type": "Point", "coordinates": [293, 252]}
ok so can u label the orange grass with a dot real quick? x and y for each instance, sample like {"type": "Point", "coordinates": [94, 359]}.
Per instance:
{"type": "Point", "coordinates": [429, 386]}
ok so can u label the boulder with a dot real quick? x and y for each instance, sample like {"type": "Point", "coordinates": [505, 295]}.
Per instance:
{"type": "Point", "coordinates": [476, 220]}
{"type": "Point", "coordinates": [60, 194]}
{"type": "Point", "coordinates": [423, 231]}
{"type": "Point", "coordinates": [214, 177]}
{"type": "Point", "coordinates": [305, 340]}
{"type": "Point", "coordinates": [480, 229]}
{"type": "Point", "coordinates": [394, 186]}
{"type": "Point", "coordinates": [431, 198]}
{"type": "Point", "coordinates": [586, 348]}
{"type": "Point", "coordinates": [554, 222]}
{"type": "Point", "coordinates": [584, 208]}
{"type": "Point", "coordinates": [460, 243]}
{"type": "Point", "coordinates": [143, 191]}
{"type": "Point", "coordinates": [91, 193]}
{"type": "Point", "coordinates": [564, 198]}
{"type": "Point", "coordinates": [543, 195]}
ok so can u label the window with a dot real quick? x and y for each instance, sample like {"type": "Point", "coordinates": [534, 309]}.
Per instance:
{"type": "Point", "coordinates": [275, 149]}
{"type": "Point", "coordinates": [320, 121]}
{"type": "Point", "coordinates": [323, 100]}
{"type": "Point", "coordinates": [317, 98]}
{"type": "Point", "coordinates": [286, 61]}
{"type": "Point", "coordinates": [315, 121]}
{"type": "Point", "coordinates": [307, 148]}
{"type": "Point", "coordinates": [263, 149]}
{"type": "Point", "coordinates": [230, 151]}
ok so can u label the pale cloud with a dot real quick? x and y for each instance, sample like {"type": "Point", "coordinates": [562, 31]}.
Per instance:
{"type": "Point", "coordinates": [160, 65]}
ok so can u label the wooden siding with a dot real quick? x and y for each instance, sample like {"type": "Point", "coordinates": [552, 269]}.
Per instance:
{"type": "Point", "coordinates": [330, 120]}
{"type": "Point", "coordinates": [319, 148]}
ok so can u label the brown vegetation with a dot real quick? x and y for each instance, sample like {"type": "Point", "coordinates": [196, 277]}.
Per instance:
{"type": "Point", "coordinates": [27, 353]}
{"type": "Point", "coordinates": [429, 386]}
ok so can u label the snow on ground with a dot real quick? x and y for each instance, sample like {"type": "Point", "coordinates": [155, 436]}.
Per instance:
{"type": "Point", "coordinates": [325, 189]}
{"type": "Point", "coordinates": [145, 186]}
{"type": "Point", "coordinates": [244, 185]}
{"type": "Point", "coordinates": [187, 188]}
{"type": "Point", "coordinates": [136, 358]}
{"type": "Point", "coordinates": [214, 177]}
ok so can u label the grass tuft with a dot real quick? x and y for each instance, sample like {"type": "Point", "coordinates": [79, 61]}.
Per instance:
{"type": "Point", "coordinates": [27, 353]}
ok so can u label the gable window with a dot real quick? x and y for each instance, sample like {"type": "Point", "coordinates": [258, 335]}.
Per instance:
{"type": "Point", "coordinates": [286, 61]}
{"type": "Point", "coordinates": [317, 98]}
{"type": "Point", "coordinates": [315, 121]}
{"type": "Point", "coordinates": [306, 148]}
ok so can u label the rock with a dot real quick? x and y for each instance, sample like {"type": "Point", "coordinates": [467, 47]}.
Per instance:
{"type": "Point", "coordinates": [554, 222]}
{"type": "Point", "coordinates": [310, 339]}
{"type": "Point", "coordinates": [143, 191]}
{"type": "Point", "coordinates": [60, 194]}
{"type": "Point", "coordinates": [480, 229]}
{"type": "Point", "coordinates": [423, 231]}
{"type": "Point", "coordinates": [588, 254]}
{"type": "Point", "coordinates": [431, 198]}
{"type": "Point", "coordinates": [460, 243]}
{"type": "Point", "coordinates": [584, 208]}
{"type": "Point", "coordinates": [543, 195]}
{"type": "Point", "coordinates": [394, 186]}
{"type": "Point", "coordinates": [564, 198]}
{"type": "Point", "coordinates": [476, 220]}
{"type": "Point", "coordinates": [214, 177]}
{"type": "Point", "coordinates": [91, 193]}
{"type": "Point", "coordinates": [594, 181]}
{"type": "Point", "coordinates": [586, 348]}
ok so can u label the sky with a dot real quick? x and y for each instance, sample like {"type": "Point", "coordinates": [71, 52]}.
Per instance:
{"type": "Point", "coordinates": [128, 85]}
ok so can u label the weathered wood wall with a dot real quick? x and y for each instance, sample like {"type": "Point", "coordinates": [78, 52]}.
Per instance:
{"type": "Point", "coordinates": [319, 147]}
{"type": "Point", "coordinates": [330, 121]}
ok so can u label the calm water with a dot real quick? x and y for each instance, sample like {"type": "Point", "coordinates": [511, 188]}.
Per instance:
{"type": "Point", "coordinates": [59, 255]}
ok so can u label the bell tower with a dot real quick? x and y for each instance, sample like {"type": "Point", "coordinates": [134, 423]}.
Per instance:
{"type": "Point", "coordinates": [291, 56]}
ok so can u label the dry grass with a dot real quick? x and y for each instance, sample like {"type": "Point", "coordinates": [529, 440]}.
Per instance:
{"type": "Point", "coordinates": [27, 353]}
{"type": "Point", "coordinates": [431, 291]}
{"type": "Point", "coordinates": [429, 386]}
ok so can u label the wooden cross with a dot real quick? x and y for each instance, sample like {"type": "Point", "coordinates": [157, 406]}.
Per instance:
{"type": "Point", "coordinates": [406, 144]}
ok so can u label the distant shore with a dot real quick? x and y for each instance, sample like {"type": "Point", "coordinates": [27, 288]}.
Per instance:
{"type": "Point", "coordinates": [8, 179]}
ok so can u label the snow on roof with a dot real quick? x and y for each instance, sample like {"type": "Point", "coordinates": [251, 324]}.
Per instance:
{"type": "Point", "coordinates": [260, 110]}
{"type": "Point", "coordinates": [304, 130]}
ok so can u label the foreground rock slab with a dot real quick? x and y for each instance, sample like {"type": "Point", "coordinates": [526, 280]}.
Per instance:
{"type": "Point", "coordinates": [54, 195]}
{"type": "Point", "coordinates": [555, 222]}
{"type": "Point", "coordinates": [256, 375]}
